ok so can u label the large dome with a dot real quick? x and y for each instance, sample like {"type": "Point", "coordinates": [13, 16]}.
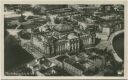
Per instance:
{"type": "Point", "coordinates": [63, 28]}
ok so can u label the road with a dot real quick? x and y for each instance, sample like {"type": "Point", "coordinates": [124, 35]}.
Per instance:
{"type": "Point", "coordinates": [110, 47]}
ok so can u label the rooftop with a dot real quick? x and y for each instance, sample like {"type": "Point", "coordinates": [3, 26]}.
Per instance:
{"type": "Point", "coordinates": [72, 36]}
{"type": "Point", "coordinates": [63, 27]}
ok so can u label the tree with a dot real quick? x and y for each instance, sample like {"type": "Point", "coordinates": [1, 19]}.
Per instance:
{"type": "Point", "coordinates": [38, 10]}
{"type": "Point", "coordinates": [22, 8]}
{"type": "Point", "coordinates": [57, 21]}
{"type": "Point", "coordinates": [19, 9]}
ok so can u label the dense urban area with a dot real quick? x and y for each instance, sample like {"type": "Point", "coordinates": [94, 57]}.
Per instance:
{"type": "Point", "coordinates": [63, 40]}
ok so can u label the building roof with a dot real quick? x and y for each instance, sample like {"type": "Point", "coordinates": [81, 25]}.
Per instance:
{"type": "Point", "coordinates": [59, 35]}
{"type": "Point", "coordinates": [88, 65]}
{"type": "Point", "coordinates": [75, 64]}
{"type": "Point", "coordinates": [63, 27]}
{"type": "Point", "coordinates": [62, 58]}
{"type": "Point", "coordinates": [44, 28]}
{"type": "Point", "coordinates": [83, 55]}
{"type": "Point", "coordinates": [75, 58]}
{"type": "Point", "coordinates": [71, 36]}
{"type": "Point", "coordinates": [47, 64]}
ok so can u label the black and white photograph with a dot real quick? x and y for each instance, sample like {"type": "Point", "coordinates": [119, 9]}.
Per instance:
{"type": "Point", "coordinates": [64, 40]}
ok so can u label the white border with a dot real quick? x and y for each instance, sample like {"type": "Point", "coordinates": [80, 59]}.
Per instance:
{"type": "Point", "coordinates": [61, 2]}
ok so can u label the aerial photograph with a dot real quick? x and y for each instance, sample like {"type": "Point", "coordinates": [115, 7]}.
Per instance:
{"type": "Point", "coordinates": [63, 40]}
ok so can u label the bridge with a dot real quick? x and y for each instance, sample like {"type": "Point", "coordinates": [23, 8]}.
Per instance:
{"type": "Point", "coordinates": [111, 48]}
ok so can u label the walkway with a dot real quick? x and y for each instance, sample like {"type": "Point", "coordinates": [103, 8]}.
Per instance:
{"type": "Point", "coordinates": [110, 47]}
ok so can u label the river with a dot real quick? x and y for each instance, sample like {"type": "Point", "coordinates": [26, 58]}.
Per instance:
{"type": "Point", "coordinates": [118, 45]}
{"type": "Point", "coordinates": [14, 54]}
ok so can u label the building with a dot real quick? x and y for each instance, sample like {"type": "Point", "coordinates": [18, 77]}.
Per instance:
{"type": "Point", "coordinates": [82, 64]}
{"type": "Point", "coordinates": [104, 35]}
{"type": "Point", "coordinates": [60, 39]}
{"type": "Point", "coordinates": [62, 46]}
{"type": "Point", "coordinates": [64, 60]}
